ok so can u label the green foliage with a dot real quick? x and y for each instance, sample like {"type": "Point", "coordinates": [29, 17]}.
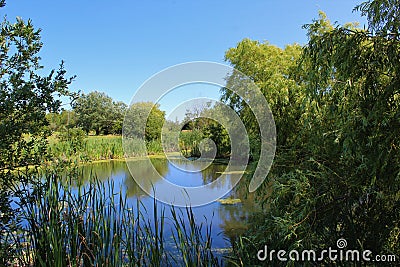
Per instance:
{"type": "Point", "coordinates": [336, 174]}
{"type": "Point", "coordinates": [61, 121]}
{"type": "Point", "coordinates": [218, 134]}
{"type": "Point", "coordinates": [154, 147]}
{"type": "Point", "coordinates": [357, 98]}
{"type": "Point", "coordinates": [194, 116]}
{"type": "Point", "coordinates": [75, 137]}
{"type": "Point", "coordinates": [215, 130]}
{"type": "Point", "coordinates": [189, 141]}
{"type": "Point", "coordinates": [98, 112]}
{"type": "Point", "coordinates": [271, 69]}
{"type": "Point", "coordinates": [170, 135]}
{"type": "Point", "coordinates": [74, 145]}
{"type": "Point", "coordinates": [25, 98]}
{"type": "Point", "coordinates": [144, 114]}
{"type": "Point", "coordinates": [383, 16]}
{"type": "Point", "coordinates": [199, 126]}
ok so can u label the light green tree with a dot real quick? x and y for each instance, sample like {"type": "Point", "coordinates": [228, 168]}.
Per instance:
{"type": "Point", "coordinates": [339, 178]}
{"type": "Point", "coordinates": [272, 69]}
{"type": "Point", "coordinates": [144, 113]}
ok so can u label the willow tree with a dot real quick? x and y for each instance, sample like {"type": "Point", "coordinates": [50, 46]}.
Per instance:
{"type": "Point", "coordinates": [343, 176]}
{"type": "Point", "coordinates": [354, 81]}
{"type": "Point", "coordinates": [272, 69]}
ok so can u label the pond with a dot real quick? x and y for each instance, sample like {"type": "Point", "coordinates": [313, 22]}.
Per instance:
{"type": "Point", "coordinates": [226, 220]}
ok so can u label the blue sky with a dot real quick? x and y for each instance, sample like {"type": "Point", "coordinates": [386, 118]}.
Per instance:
{"type": "Point", "coordinates": [114, 46]}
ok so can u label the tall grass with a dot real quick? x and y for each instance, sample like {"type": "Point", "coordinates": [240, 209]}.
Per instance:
{"type": "Point", "coordinates": [104, 147]}
{"type": "Point", "coordinates": [101, 148]}
{"type": "Point", "coordinates": [95, 226]}
{"type": "Point", "coordinates": [94, 148]}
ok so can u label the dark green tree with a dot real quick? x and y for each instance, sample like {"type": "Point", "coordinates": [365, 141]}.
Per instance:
{"type": "Point", "coordinates": [98, 112]}
{"type": "Point", "coordinates": [25, 98]}
{"type": "Point", "coordinates": [354, 85]}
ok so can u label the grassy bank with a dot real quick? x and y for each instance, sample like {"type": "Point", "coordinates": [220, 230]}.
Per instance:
{"type": "Point", "coordinates": [92, 148]}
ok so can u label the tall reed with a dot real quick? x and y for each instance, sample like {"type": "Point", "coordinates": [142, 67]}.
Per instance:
{"type": "Point", "coordinates": [94, 225]}
{"type": "Point", "coordinates": [94, 148]}
{"type": "Point", "coordinates": [103, 147]}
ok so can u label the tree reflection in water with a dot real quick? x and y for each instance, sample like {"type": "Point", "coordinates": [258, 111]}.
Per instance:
{"type": "Point", "coordinates": [229, 219]}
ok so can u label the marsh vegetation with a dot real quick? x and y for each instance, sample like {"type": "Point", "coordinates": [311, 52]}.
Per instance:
{"type": "Point", "coordinates": [336, 172]}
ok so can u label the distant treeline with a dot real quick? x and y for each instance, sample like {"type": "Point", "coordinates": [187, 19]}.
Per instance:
{"type": "Point", "coordinates": [98, 113]}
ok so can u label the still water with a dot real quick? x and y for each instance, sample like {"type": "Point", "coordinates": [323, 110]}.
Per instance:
{"type": "Point", "coordinates": [226, 220]}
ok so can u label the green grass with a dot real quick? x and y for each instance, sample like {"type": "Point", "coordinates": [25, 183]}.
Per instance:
{"type": "Point", "coordinates": [93, 148]}
{"type": "Point", "coordinates": [107, 147]}
{"type": "Point", "coordinates": [99, 148]}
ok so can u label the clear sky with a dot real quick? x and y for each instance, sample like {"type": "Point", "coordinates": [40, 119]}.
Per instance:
{"type": "Point", "coordinates": [114, 46]}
